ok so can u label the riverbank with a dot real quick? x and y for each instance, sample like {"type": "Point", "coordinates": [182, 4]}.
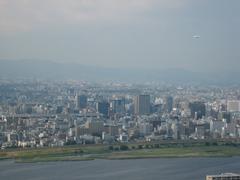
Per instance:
{"type": "Point", "coordinates": [121, 151]}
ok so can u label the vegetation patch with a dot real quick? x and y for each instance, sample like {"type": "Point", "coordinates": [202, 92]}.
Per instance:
{"type": "Point", "coordinates": [121, 151]}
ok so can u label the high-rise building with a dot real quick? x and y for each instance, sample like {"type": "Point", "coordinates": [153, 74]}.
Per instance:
{"type": "Point", "coordinates": [103, 108]}
{"type": "Point", "coordinates": [118, 105]}
{"type": "Point", "coordinates": [81, 101]}
{"type": "Point", "coordinates": [198, 109]}
{"type": "Point", "coordinates": [142, 104]}
{"type": "Point", "coordinates": [95, 127]}
{"type": "Point", "coordinates": [111, 129]}
{"type": "Point", "coordinates": [225, 115]}
{"type": "Point", "coordinates": [169, 103]}
{"type": "Point", "coordinates": [91, 127]}
{"type": "Point", "coordinates": [233, 106]}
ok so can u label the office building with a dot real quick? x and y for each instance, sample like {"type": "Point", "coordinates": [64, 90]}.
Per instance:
{"type": "Point", "coordinates": [94, 127]}
{"type": "Point", "coordinates": [118, 105]}
{"type": "Point", "coordinates": [198, 109]}
{"type": "Point", "coordinates": [142, 104]}
{"type": "Point", "coordinates": [103, 108]}
{"type": "Point", "coordinates": [111, 130]}
{"type": "Point", "coordinates": [169, 103]}
{"type": "Point", "coordinates": [81, 101]}
{"type": "Point", "coordinates": [233, 106]}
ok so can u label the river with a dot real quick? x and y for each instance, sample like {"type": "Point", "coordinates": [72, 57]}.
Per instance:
{"type": "Point", "coordinates": [139, 169]}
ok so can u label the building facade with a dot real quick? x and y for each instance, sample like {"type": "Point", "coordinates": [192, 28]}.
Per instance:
{"type": "Point", "coordinates": [142, 105]}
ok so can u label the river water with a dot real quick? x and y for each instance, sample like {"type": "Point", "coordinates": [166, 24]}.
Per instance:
{"type": "Point", "coordinates": [139, 169]}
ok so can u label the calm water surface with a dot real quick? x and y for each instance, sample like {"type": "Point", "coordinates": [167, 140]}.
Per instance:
{"type": "Point", "coordinates": [141, 169]}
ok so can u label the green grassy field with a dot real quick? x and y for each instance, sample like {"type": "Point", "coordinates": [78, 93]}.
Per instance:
{"type": "Point", "coordinates": [210, 151]}
{"type": "Point", "coordinates": [129, 151]}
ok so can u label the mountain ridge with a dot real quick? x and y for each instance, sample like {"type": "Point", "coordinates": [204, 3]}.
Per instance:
{"type": "Point", "coordinates": [56, 70]}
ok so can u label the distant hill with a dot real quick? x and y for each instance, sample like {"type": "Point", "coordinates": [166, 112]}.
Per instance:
{"type": "Point", "coordinates": [62, 71]}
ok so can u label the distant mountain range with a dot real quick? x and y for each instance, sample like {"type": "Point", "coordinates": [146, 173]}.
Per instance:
{"type": "Point", "coordinates": [13, 69]}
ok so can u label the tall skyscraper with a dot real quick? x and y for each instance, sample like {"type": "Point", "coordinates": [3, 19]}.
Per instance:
{"type": "Point", "coordinates": [103, 108]}
{"type": "Point", "coordinates": [81, 101]}
{"type": "Point", "coordinates": [118, 105]}
{"type": "Point", "coordinates": [198, 109]}
{"type": "Point", "coordinates": [169, 103]}
{"type": "Point", "coordinates": [142, 104]}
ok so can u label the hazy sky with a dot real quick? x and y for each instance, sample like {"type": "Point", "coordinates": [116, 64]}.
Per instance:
{"type": "Point", "coordinates": [126, 33]}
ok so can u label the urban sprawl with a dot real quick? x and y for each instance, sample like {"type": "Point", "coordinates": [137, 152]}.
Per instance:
{"type": "Point", "coordinates": [50, 113]}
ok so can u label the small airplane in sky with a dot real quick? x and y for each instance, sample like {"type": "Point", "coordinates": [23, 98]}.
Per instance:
{"type": "Point", "coordinates": [196, 36]}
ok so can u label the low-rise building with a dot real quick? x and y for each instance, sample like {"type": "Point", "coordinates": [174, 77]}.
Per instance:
{"type": "Point", "coordinates": [225, 176]}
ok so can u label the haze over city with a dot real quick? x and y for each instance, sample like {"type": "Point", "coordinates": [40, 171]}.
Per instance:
{"type": "Point", "coordinates": [150, 34]}
{"type": "Point", "coordinates": [119, 89]}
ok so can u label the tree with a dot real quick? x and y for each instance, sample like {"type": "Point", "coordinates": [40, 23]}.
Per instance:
{"type": "Point", "coordinates": [123, 147]}
{"type": "Point", "coordinates": [156, 146]}
{"type": "Point", "coordinates": [111, 148]}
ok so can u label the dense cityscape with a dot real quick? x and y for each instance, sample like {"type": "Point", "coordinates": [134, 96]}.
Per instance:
{"type": "Point", "coordinates": [119, 90]}
{"type": "Point", "coordinates": [48, 113]}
